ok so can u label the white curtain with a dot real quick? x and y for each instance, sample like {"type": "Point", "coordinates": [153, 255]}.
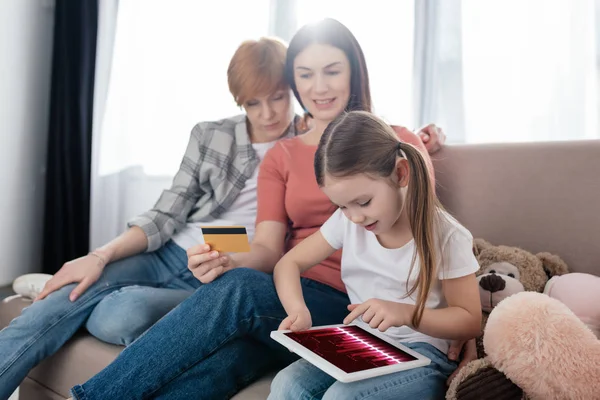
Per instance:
{"type": "Point", "coordinates": [438, 66]}
{"type": "Point", "coordinates": [512, 70]}
{"type": "Point", "coordinates": [102, 208]}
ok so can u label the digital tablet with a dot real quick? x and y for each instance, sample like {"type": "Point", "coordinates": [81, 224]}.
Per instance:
{"type": "Point", "coordinates": [350, 353]}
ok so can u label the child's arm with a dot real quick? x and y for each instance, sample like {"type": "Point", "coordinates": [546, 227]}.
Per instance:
{"type": "Point", "coordinates": [461, 320]}
{"type": "Point", "coordinates": [286, 275]}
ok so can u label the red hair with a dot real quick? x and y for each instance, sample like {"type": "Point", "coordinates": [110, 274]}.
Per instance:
{"type": "Point", "coordinates": [257, 69]}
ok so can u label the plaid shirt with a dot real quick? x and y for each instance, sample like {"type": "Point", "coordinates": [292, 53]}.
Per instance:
{"type": "Point", "coordinates": [218, 160]}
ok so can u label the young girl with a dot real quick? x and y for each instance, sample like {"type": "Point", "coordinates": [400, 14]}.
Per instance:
{"type": "Point", "coordinates": [407, 265]}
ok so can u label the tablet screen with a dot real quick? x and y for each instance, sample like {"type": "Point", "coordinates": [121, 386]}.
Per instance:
{"type": "Point", "coordinates": [350, 348]}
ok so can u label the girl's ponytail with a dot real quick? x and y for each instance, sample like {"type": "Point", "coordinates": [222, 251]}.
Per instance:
{"type": "Point", "coordinates": [422, 213]}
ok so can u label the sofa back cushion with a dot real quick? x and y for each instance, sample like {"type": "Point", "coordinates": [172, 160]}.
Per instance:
{"type": "Point", "coordinates": [538, 196]}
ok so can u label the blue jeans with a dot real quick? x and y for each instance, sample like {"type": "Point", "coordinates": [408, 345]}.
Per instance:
{"type": "Point", "coordinates": [122, 316]}
{"type": "Point", "coordinates": [213, 344]}
{"type": "Point", "coordinates": [44, 326]}
{"type": "Point", "coordinates": [304, 381]}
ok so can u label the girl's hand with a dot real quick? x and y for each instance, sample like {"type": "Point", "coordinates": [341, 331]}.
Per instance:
{"type": "Point", "coordinates": [297, 321]}
{"type": "Point", "coordinates": [381, 314]}
{"type": "Point", "coordinates": [208, 265]}
{"type": "Point", "coordinates": [466, 351]}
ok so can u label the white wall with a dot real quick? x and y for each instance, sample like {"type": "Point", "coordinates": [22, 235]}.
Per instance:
{"type": "Point", "coordinates": [26, 29]}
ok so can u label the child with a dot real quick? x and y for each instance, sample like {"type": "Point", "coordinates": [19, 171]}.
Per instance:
{"type": "Point", "coordinates": [407, 265]}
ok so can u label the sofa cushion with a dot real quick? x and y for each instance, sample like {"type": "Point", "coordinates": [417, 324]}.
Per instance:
{"type": "Point", "coordinates": [32, 390]}
{"type": "Point", "coordinates": [537, 196]}
{"type": "Point", "coordinates": [11, 308]}
{"type": "Point", "coordinates": [82, 358]}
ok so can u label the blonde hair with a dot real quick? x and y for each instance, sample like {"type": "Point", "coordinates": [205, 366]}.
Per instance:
{"type": "Point", "coordinates": [257, 69]}
{"type": "Point", "coordinates": [358, 142]}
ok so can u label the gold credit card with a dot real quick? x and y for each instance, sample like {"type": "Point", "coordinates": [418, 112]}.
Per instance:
{"type": "Point", "coordinates": [226, 239]}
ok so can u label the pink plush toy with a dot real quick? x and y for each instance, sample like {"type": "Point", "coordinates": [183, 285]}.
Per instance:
{"type": "Point", "coordinates": [581, 293]}
{"type": "Point", "coordinates": [542, 346]}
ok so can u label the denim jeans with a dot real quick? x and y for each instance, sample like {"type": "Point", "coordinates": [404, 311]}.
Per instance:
{"type": "Point", "coordinates": [44, 326]}
{"type": "Point", "coordinates": [304, 381]}
{"type": "Point", "coordinates": [203, 348]}
{"type": "Point", "coordinates": [122, 316]}
{"type": "Point", "coordinates": [225, 372]}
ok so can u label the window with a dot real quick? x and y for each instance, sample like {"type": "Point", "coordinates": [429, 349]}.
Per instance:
{"type": "Point", "coordinates": [529, 70]}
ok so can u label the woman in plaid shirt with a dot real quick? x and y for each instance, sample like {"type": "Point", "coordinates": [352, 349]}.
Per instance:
{"type": "Point", "coordinates": [122, 288]}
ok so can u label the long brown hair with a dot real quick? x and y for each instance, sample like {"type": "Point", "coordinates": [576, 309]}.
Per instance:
{"type": "Point", "coordinates": [332, 32]}
{"type": "Point", "coordinates": [358, 142]}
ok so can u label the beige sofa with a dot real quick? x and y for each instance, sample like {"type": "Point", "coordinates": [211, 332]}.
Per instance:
{"type": "Point", "coordinates": [542, 197]}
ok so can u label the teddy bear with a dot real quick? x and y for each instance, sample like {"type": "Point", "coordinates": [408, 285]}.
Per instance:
{"type": "Point", "coordinates": [548, 344]}
{"type": "Point", "coordinates": [504, 271]}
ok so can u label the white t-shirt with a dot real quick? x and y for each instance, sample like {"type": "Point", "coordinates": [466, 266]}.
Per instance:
{"type": "Point", "coordinates": [242, 212]}
{"type": "Point", "coordinates": [370, 270]}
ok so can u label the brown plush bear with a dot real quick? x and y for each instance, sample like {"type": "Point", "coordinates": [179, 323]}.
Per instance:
{"type": "Point", "coordinates": [504, 271]}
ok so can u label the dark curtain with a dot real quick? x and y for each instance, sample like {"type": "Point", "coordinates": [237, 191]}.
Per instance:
{"type": "Point", "coordinates": [67, 206]}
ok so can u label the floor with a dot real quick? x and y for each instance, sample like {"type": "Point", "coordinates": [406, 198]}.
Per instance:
{"type": "Point", "coordinates": [5, 291]}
